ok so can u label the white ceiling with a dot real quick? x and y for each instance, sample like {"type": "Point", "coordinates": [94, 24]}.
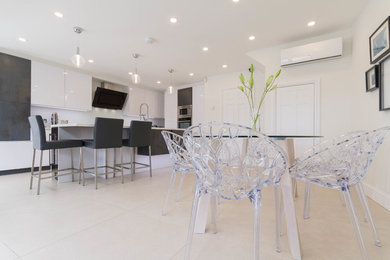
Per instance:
{"type": "Point", "coordinates": [114, 29]}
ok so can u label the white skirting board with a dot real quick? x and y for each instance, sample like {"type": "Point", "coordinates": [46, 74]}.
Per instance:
{"type": "Point", "coordinates": [378, 196]}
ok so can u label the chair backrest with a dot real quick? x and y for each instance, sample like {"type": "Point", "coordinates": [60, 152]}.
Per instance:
{"type": "Point", "coordinates": [107, 133]}
{"type": "Point", "coordinates": [233, 161]}
{"type": "Point", "coordinates": [340, 162]}
{"type": "Point", "coordinates": [177, 151]}
{"type": "Point", "coordinates": [38, 131]}
{"type": "Point", "coordinates": [139, 134]}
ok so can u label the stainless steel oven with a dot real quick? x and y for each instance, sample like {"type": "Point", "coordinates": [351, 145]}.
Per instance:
{"type": "Point", "coordinates": [184, 111]}
{"type": "Point", "coordinates": [184, 122]}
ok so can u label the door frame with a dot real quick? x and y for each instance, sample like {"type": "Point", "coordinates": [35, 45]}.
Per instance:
{"type": "Point", "coordinates": [317, 99]}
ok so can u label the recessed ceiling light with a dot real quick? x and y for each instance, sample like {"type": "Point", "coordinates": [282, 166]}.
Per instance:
{"type": "Point", "coordinates": [236, 1]}
{"type": "Point", "coordinates": [191, 74]}
{"type": "Point", "coordinates": [311, 23]}
{"type": "Point", "coordinates": [224, 66]}
{"type": "Point", "coordinates": [91, 61]}
{"type": "Point", "coordinates": [205, 49]}
{"type": "Point", "coordinates": [158, 82]}
{"type": "Point", "coordinates": [252, 37]}
{"type": "Point", "coordinates": [22, 39]}
{"type": "Point", "coordinates": [58, 14]}
{"type": "Point", "coordinates": [173, 20]}
{"type": "Point", "coordinates": [130, 73]}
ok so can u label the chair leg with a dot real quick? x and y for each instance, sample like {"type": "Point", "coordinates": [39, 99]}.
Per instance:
{"type": "Point", "coordinates": [355, 222]}
{"type": "Point", "coordinates": [360, 196]}
{"type": "Point", "coordinates": [368, 214]}
{"type": "Point", "coordinates": [213, 206]}
{"type": "Point", "coordinates": [179, 187]}
{"type": "Point", "coordinates": [256, 201]}
{"type": "Point", "coordinates": [40, 172]}
{"type": "Point", "coordinates": [191, 228]}
{"type": "Point", "coordinates": [121, 155]}
{"type": "Point", "coordinates": [282, 216]}
{"type": "Point", "coordinates": [277, 218]}
{"type": "Point", "coordinates": [171, 184]}
{"type": "Point", "coordinates": [150, 160]}
{"type": "Point", "coordinates": [71, 164]}
{"type": "Point", "coordinates": [32, 169]}
{"type": "Point", "coordinates": [294, 187]}
{"type": "Point", "coordinates": [95, 155]}
{"type": "Point", "coordinates": [306, 209]}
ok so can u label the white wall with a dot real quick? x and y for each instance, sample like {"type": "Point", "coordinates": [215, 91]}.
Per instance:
{"type": "Point", "coordinates": [334, 78]}
{"type": "Point", "coordinates": [215, 86]}
{"type": "Point", "coordinates": [365, 112]}
{"type": "Point", "coordinates": [345, 105]}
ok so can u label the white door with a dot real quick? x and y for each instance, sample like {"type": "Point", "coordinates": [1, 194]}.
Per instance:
{"type": "Point", "coordinates": [235, 108]}
{"type": "Point", "coordinates": [297, 113]}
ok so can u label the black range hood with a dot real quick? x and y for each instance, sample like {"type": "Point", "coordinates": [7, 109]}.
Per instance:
{"type": "Point", "coordinates": [107, 98]}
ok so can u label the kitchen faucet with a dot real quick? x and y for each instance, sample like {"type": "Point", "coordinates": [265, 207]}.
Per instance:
{"type": "Point", "coordinates": [144, 116]}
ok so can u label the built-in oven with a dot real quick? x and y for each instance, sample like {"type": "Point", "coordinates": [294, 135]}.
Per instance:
{"type": "Point", "coordinates": [184, 111]}
{"type": "Point", "coordinates": [184, 122]}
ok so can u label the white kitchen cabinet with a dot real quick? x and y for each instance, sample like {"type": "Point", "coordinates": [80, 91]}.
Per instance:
{"type": "Point", "coordinates": [78, 91]}
{"type": "Point", "coordinates": [134, 100]}
{"type": "Point", "coordinates": [47, 85]}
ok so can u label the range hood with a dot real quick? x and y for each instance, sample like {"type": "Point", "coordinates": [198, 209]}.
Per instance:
{"type": "Point", "coordinates": [107, 98]}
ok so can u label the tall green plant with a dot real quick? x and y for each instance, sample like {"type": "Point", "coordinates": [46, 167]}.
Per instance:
{"type": "Point", "coordinates": [248, 90]}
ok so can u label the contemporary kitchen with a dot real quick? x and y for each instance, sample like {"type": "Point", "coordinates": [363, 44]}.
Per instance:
{"type": "Point", "coordinates": [228, 129]}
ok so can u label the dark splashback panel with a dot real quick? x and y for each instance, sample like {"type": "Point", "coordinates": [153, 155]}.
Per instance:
{"type": "Point", "coordinates": [15, 98]}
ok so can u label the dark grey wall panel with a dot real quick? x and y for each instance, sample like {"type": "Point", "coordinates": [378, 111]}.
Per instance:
{"type": "Point", "coordinates": [15, 98]}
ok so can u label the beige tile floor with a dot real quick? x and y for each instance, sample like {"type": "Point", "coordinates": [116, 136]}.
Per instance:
{"type": "Point", "coordinates": [123, 221]}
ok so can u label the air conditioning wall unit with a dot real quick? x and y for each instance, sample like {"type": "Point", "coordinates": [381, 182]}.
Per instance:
{"type": "Point", "coordinates": [312, 52]}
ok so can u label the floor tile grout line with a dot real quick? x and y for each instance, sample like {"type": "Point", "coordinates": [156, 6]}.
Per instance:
{"type": "Point", "coordinates": [2, 242]}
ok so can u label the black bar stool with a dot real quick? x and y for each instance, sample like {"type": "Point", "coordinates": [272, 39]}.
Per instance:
{"type": "Point", "coordinates": [139, 136]}
{"type": "Point", "coordinates": [40, 143]}
{"type": "Point", "coordinates": [107, 133]}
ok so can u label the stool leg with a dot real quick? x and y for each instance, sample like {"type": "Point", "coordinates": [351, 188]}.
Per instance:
{"type": "Point", "coordinates": [32, 169]}
{"type": "Point", "coordinates": [95, 155]}
{"type": "Point", "coordinates": [121, 154]}
{"type": "Point", "coordinates": [150, 160]}
{"type": "Point", "coordinates": [71, 163]}
{"type": "Point", "coordinates": [80, 165]}
{"type": "Point", "coordinates": [114, 164]}
{"type": "Point", "coordinates": [106, 163]}
{"type": "Point", "coordinates": [133, 165]}
{"type": "Point", "coordinates": [40, 171]}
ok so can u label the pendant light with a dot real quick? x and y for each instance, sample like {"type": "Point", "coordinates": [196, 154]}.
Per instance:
{"type": "Point", "coordinates": [78, 60]}
{"type": "Point", "coordinates": [170, 88]}
{"type": "Point", "coordinates": [135, 78]}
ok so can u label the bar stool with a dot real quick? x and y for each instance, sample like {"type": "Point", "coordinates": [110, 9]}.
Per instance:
{"type": "Point", "coordinates": [107, 133]}
{"type": "Point", "coordinates": [40, 143]}
{"type": "Point", "coordinates": [139, 136]}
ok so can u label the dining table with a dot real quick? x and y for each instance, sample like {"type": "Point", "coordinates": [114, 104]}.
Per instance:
{"type": "Point", "coordinates": [286, 183]}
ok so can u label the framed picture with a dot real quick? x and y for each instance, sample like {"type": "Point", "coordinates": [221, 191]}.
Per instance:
{"type": "Point", "coordinates": [384, 88]}
{"type": "Point", "coordinates": [379, 42]}
{"type": "Point", "coordinates": [372, 78]}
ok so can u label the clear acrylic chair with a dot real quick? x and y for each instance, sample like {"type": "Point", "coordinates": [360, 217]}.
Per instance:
{"type": "Point", "coordinates": [181, 163]}
{"type": "Point", "coordinates": [342, 164]}
{"type": "Point", "coordinates": [232, 162]}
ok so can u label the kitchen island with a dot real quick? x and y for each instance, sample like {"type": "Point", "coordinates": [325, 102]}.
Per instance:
{"type": "Point", "coordinates": [160, 157]}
